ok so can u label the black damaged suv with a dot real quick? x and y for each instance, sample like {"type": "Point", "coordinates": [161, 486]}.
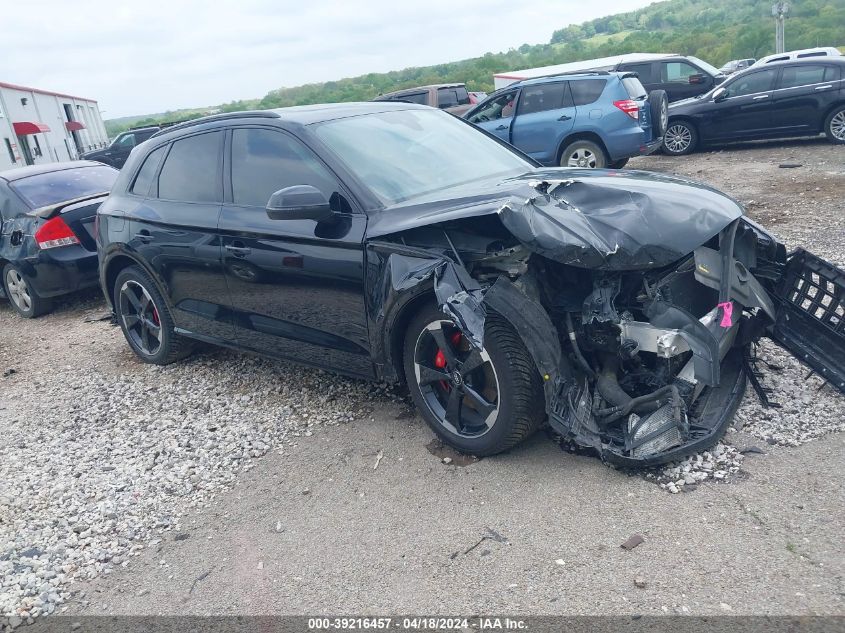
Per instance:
{"type": "Point", "coordinates": [394, 241]}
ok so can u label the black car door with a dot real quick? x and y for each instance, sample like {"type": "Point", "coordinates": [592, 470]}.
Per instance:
{"type": "Point", "coordinates": [804, 94]}
{"type": "Point", "coordinates": [648, 73]}
{"type": "Point", "coordinates": [741, 108]}
{"type": "Point", "coordinates": [174, 228]}
{"type": "Point", "coordinates": [296, 286]}
{"type": "Point", "coordinates": [119, 151]}
{"type": "Point", "coordinates": [682, 80]}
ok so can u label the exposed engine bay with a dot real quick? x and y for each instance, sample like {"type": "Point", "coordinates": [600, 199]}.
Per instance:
{"type": "Point", "coordinates": [645, 350]}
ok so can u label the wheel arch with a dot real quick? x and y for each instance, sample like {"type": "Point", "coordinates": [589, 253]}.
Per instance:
{"type": "Point", "coordinates": [582, 136]}
{"type": "Point", "coordinates": [120, 261]}
{"type": "Point", "coordinates": [396, 330]}
{"type": "Point", "coordinates": [685, 119]}
{"type": "Point", "coordinates": [829, 111]}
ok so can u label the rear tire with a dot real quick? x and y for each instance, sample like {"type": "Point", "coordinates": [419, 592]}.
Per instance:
{"type": "Point", "coordinates": [659, 104]}
{"type": "Point", "coordinates": [25, 301]}
{"type": "Point", "coordinates": [497, 404]}
{"type": "Point", "coordinates": [145, 319]}
{"type": "Point", "coordinates": [681, 138]}
{"type": "Point", "coordinates": [834, 126]}
{"type": "Point", "coordinates": [583, 154]}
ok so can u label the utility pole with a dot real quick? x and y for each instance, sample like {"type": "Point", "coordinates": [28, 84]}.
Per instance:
{"type": "Point", "coordinates": [779, 11]}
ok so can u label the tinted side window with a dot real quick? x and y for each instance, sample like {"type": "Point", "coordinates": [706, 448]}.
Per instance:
{"type": "Point", "coordinates": [191, 170]}
{"type": "Point", "coordinates": [500, 107]}
{"type": "Point", "coordinates": [264, 161]}
{"type": "Point", "coordinates": [586, 91]}
{"type": "Point", "coordinates": [449, 97]}
{"type": "Point", "coordinates": [678, 72]}
{"type": "Point", "coordinates": [801, 76]}
{"type": "Point", "coordinates": [753, 83]}
{"type": "Point", "coordinates": [634, 87]}
{"type": "Point", "coordinates": [542, 98]}
{"type": "Point", "coordinates": [414, 97]}
{"type": "Point", "coordinates": [126, 141]}
{"type": "Point", "coordinates": [643, 70]}
{"type": "Point", "coordinates": [446, 98]}
{"type": "Point", "coordinates": [832, 73]}
{"type": "Point", "coordinates": [144, 179]}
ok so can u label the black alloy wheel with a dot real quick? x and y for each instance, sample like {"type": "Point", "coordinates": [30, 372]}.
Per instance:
{"type": "Point", "coordinates": [140, 318]}
{"type": "Point", "coordinates": [145, 318]}
{"type": "Point", "coordinates": [458, 382]}
{"type": "Point", "coordinates": [479, 401]}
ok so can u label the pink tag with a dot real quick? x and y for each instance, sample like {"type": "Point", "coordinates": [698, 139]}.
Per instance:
{"type": "Point", "coordinates": [727, 313]}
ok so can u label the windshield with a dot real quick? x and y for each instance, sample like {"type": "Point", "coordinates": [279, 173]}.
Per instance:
{"type": "Point", "coordinates": [404, 154]}
{"type": "Point", "coordinates": [705, 66]}
{"type": "Point", "coordinates": [53, 187]}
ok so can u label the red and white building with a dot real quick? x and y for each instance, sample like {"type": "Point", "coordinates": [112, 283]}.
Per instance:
{"type": "Point", "coordinates": [39, 126]}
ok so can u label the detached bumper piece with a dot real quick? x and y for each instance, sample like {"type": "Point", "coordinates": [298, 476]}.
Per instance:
{"type": "Point", "coordinates": [811, 316]}
{"type": "Point", "coordinates": [658, 437]}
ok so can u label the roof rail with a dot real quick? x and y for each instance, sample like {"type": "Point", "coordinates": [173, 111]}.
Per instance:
{"type": "Point", "coordinates": [569, 72]}
{"type": "Point", "coordinates": [246, 114]}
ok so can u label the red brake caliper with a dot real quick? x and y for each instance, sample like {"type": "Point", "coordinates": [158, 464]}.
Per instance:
{"type": "Point", "coordinates": [440, 359]}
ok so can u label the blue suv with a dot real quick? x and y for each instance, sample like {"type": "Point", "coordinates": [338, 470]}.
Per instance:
{"type": "Point", "coordinates": [588, 119]}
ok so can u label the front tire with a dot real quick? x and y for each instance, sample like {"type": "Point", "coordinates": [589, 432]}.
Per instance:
{"type": "Point", "coordinates": [834, 126]}
{"type": "Point", "coordinates": [479, 402]}
{"type": "Point", "coordinates": [145, 319]}
{"type": "Point", "coordinates": [22, 295]}
{"type": "Point", "coordinates": [680, 138]}
{"type": "Point", "coordinates": [583, 154]}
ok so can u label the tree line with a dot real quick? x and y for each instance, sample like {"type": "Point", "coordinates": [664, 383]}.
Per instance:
{"type": "Point", "coordinates": [718, 32]}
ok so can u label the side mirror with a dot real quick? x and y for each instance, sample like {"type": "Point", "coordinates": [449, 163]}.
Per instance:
{"type": "Point", "coordinates": [720, 95]}
{"type": "Point", "coordinates": [299, 202]}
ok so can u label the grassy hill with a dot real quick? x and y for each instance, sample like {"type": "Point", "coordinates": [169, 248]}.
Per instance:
{"type": "Point", "coordinates": [716, 32]}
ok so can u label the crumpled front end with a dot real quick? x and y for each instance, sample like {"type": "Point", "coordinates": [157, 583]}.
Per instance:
{"type": "Point", "coordinates": [641, 329]}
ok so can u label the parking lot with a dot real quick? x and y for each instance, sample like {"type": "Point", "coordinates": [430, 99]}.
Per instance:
{"type": "Point", "coordinates": [232, 484]}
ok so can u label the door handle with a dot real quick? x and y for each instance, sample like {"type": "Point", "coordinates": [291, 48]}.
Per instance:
{"type": "Point", "coordinates": [502, 127]}
{"type": "Point", "coordinates": [824, 87]}
{"type": "Point", "coordinates": [564, 118]}
{"type": "Point", "coordinates": [758, 97]}
{"type": "Point", "coordinates": [238, 251]}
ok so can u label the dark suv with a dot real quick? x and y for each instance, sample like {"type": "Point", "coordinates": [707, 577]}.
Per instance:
{"type": "Point", "coordinates": [680, 76]}
{"type": "Point", "coordinates": [394, 241]}
{"type": "Point", "coordinates": [119, 149]}
{"type": "Point", "coordinates": [802, 97]}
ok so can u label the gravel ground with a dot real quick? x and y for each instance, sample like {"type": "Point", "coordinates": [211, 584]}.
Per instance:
{"type": "Point", "coordinates": [103, 455]}
{"type": "Point", "coordinates": [112, 452]}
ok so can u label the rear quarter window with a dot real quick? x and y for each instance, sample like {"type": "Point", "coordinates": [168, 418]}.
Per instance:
{"type": "Point", "coordinates": [634, 87]}
{"type": "Point", "coordinates": [586, 91]}
{"type": "Point", "coordinates": [144, 179]}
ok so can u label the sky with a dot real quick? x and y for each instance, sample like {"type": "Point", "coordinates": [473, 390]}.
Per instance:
{"type": "Point", "coordinates": [157, 55]}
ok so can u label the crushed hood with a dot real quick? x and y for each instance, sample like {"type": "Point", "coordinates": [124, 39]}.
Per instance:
{"type": "Point", "coordinates": [598, 219]}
